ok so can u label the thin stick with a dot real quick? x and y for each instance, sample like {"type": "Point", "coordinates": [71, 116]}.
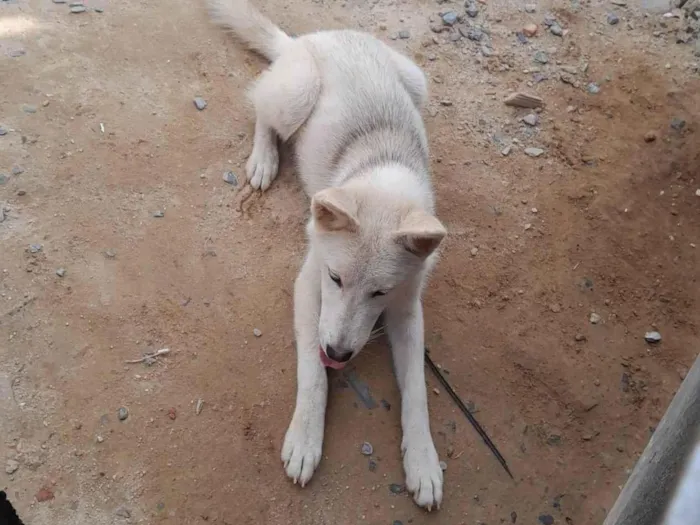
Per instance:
{"type": "Point", "coordinates": [467, 413]}
{"type": "Point", "coordinates": [149, 357]}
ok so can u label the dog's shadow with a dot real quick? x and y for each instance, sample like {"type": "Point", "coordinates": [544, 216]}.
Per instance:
{"type": "Point", "coordinates": [8, 514]}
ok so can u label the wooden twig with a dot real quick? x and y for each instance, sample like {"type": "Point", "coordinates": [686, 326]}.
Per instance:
{"type": "Point", "coordinates": [149, 358]}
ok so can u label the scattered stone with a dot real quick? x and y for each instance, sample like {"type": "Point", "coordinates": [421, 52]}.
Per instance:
{"type": "Point", "coordinates": [200, 103]}
{"type": "Point", "coordinates": [521, 38]}
{"type": "Point", "coordinates": [17, 170]}
{"type": "Point", "coordinates": [554, 439]}
{"type": "Point", "coordinates": [546, 519]}
{"type": "Point", "coordinates": [199, 406]}
{"type": "Point", "coordinates": [579, 338]}
{"type": "Point", "coordinates": [396, 488]}
{"type": "Point", "coordinates": [474, 251]}
{"type": "Point", "coordinates": [556, 29]}
{"type": "Point", "coordinates": [443, 466]}
{"type": "Point", "coordinates": [532, 119]}
{"type": "Point", "coordinates": [43, 495]}
{"type": "Point", "coordinates": [11, 466]}
{"type": "Point", "coordinates": [450, 18]}
{"type": "Point", "coordinates": [397, 522]}
{"type": "Point", "coordinates": [35, 248]}
{"type": "Point", "coordinates": [513, 517]}
{"type": "Point", "coordinates": [366, 449]}
{"type": "Point", "coordinates": [110, 254]}
{"type": "Point", "coordinates": [649, 136]}
{"type": "Point", "coordinates": [3, 179]}
{"type": "Point", "coordinates": [404, 34]}
{"type": "Point", "coordinates": [172, 414]}
{"type": "Point", "coordinates": [506, 151]}
{"type": "Point", "coordinates": [472, 10]}
{"type": "Point", "coordinates": [122, 413]}
{"type": "Point", "coordinates": [613, 19]}
{"type": "Point", "coordinates": [78, 9]}
{"type": "Point", "coordinates": [619, 3]}
{"type": "Point", "coordinates": [594, 318]}
{"type": "Point", "coordinates": [697, 193]}
{"type": "Point", "coordinates": [100, 439]}
{"type": "Point", "coordinates": [523, 100]}
{"type": "Point", "coordinates": [28, 108]}
{"type": "Point", "coordinates": [486, 50]}
{"type": "Point", "coordinates": [593, 88]}
{"type": "Point", "coordinates": [530, 8]}
{"type": "Point", "coordinates": [123, 512]}
{"type": "Point", "coordinates": [61, 272]}
{"type": "Point", "coordinates": [159, 214]}
{"type": "Point", "coordinates": [60, 1]}
{"type": "Point", "coordinates": [534, 152]}
{"type": "Point", "coordinates": [21, 193]}
{"type": "Point", "coordinates": [230, 178]}
{"type": "Point", "coordinates": [372, 465]}
{"type": "Point", "coordinates": [385, 404]}
{"type": "Point", "coordinates": [555, 308]}
{"type": "Point", "coordinates": [3, 131]}
{"type": "Point", "coordinates": [541, 57]}
{"type": "Point", "coordinates": [678, 124]}
{"type": "Point", "coordinates": [99, 10]}
{"type": "Point", "coordinates": [652, 337]}
{"type": "Point", "coordinates": [473, 33]}
{"type": "Point", "coordinates": [257, 332]}
{"type": "Point", "coordinates": [530, 30]}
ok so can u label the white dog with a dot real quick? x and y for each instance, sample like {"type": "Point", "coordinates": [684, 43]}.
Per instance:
{"type": "Point", "coordinates": [352, 105]}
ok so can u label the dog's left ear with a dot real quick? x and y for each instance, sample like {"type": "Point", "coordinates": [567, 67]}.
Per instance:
{"type": "Point", "coordinates": [420, 233]}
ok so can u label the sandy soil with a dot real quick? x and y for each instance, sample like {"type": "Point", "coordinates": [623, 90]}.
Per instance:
{"type": "Point", "coordinates": [99, 119]}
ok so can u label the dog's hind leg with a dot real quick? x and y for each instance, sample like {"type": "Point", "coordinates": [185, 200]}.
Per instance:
{"type": "Point", "coordinates": [284, 97]}
{"type": "Point", "coordinates": [412, 78]}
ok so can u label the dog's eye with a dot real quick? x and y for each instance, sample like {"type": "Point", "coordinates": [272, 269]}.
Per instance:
{"type": "Point", "coordinates": [335, 278]}
{"type": "Point", "coordinates": [378, 293]}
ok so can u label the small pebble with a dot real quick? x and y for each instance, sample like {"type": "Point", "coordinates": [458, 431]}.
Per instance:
{"type": "Point", "coordinates": [556, 29]}
{"type": "Point", "coordinates": [3, 131]}
{"type": "Point", "coordinates": [199, 406]}
{"type": "Point", "coordinates": [530, 30]}
{"type": "Point", "coordinates": [110, 254]}
{"type": "Point", "coordinates": [28, 108]}
{"type": "Point", "coordinates": [122, 413]}
{"type": "Point", "coordinates": [159, 214]}
{"type": "Point", "coordinates": [697, 192]}
{"type": "Point", "coordinates": [506, 151]}
{"type": "Point", "coordinates": [21, 193]}
{"type": "Point", "coordinates": [395, 488]}
{"type": "Point", "coordinates": [593, 88]}
{"type": "Point", "coordinates": [404, 34]}
{"type": "Point", "coordinates": [579, 338]}
{"type": "Point", "coordinates": [436, 391]}
{"type": "Point", "coordinates": [613, 19]}
{"type": "Point", "coordinates": [652, 337]}
{"type": "Point", "coordinates": [475, 34]}
{"type": "Point", "coordinates": [230, 178]}
{"type": "Point", "coordinates": [521, 38]}
{"type": "Point", "coordinates": [531, 120]}
{"type": "Point", "coordinates": [35, 248]}
{"type": "Point", "coordinates": [172, 414]}
{"type": "Point", "coordinates": [474, 251]}
{"type": "Point", "coordinates": [678, 124]}
{"type": "Point", "coordinates": [44, 495]}
{"type": "Point", "coordinates": [3, 179]}
{"type": "Point", "coordinates": [372, 465]}
{"type": "Point", "coordinates": [100, 439]}
{"type": "Point", "coordinates": [200, 103]}
{"type": "Point", "coordinates": [546, 519]}
{"type": "Point", "coordinates": [123, 512]}
{"type": "Point", "coordinates": [78, 9]}
{"type": "Point", "coordinates": [513, 517]}
{"type": "Point", "coordinates": [450, 18]}
{"type": "Point", "coordinates": [649, 136]}
{"type": "Point", "coordinates": [530, 8]}
{"type": "Point", "coordinates": [541, 57]}
{"type": "Point", "coordinates": [594, 318]}
{"type": "Point", "coordinates": [257, 332]}
{"type": "Point", "coordinates": [61, 272]}
{"type": "Point", "coordinates": [472, 10]}
{"type": "Point", "coordinates": [17, 170]}
{"type": "Point", "coordinates": [11, 466]}
{"type": "Point", "coordinates": [443, 466]}
{"type": "Point", "coordinates": [534, 152]}
{"type": "Point", "coordinates": [60, 1]}
{"type": "Point", "coordinates": [397, 522]}
{"type": "Point", "coordinates": [366, 449]}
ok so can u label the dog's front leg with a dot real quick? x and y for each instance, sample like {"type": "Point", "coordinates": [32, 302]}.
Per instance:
{"type": "Point", "coordinates": [301, 451]}
{"type": "Point", "coordinates": [420, 460]}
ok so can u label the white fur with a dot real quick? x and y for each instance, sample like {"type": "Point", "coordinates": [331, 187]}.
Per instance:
{"type": "Point", "coordinates": [352, 106]}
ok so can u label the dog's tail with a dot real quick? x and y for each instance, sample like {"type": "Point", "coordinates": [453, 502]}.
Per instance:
{"type": "Point", "coordinates": [252, 27]}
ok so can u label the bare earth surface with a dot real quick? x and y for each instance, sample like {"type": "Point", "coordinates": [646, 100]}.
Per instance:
{"type": "Point", "coordinates": [102, 133]}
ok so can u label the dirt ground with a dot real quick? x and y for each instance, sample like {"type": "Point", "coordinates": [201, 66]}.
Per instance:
{"type": "Point", "coordinates": [101, 133]}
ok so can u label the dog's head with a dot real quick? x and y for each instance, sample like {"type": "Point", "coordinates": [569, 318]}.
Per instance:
{"type": "Point", "coordinates": [373, 249]}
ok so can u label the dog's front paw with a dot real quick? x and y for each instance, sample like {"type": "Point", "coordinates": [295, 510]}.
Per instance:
{"type": "Point", "coordinates": [301, 452]}
{"type": "Point", "coordinates": [262, 166]}
{"type": "Point", "coordinates": [423, 472]}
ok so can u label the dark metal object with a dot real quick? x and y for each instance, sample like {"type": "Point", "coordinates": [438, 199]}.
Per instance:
{"type": "Point", "coordinates": [467, 413]}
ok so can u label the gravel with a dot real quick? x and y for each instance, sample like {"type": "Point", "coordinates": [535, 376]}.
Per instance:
{"type": "Point", "coordinates": [75, 9]}
{"type": "Point", "coordinates": [532, 119]}
{"type": "Point", "coordinates": [474, 33]}
{"type": "Point", "coordinates": [35, 248]}
{"type": "Point", "coordinates": [366, 449]}
{"type": "Point", "coordinates": [613, 19]}
{"type": "Point", "coordinates": [556, 29]}
{"type": "Point", "coordinates": [17, 170]}
{"type": "Point", "coordinates": [122, 413]}
{"type": "Point", "coordinates": [546, 519]}
{"type": "Point", "coordinates": [594, 318]}
{"type": "Point", "coordinates": [61, 272]}
{"type": "Point", "coordinates": [11, 466]}
{"type": "Point", "coordinates": [200, 103]}
{"type": "Point", "coordinates": [404, 34]}
{"type": "Point", "coordinates": [534, 152]}
{"type": "Point", "coordinates": [396, 488]}
{"type": "Point", "coordinates": [159, 214]}
{"type": "Point", "coordinates": [230, 178]}
{"type": "Point", "coordinates": [677, 123]}
{"type": "Point", "coordinates": [541, 57]}
{"type": "Point", "coordinates": [450, 18]}
{"type": "Point", "coordinates": [3, 131]}
{"type": "Point", "coordinates": [28, 108]}
{"type": "Point", "coordinates": [652, 337]}
{"type": "Point", "coordinates": [257, 332]}
{"type": "Point", "coordinates": [472, 10]}
{"type": "Point", "coordinates": [593, 88]}
{"type": "Point", "coordinates": [123, 512]}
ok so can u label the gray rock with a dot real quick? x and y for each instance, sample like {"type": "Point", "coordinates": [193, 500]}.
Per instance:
{"type": "Point", "coordinates": [257, 332]}
{"type": "Point", "coordinates": [652, 337]}
{"type": "Point", "coordinates": [613, 19]}
{"type": "Point", "coordinates": [3, 179]}
{"type": "Point", "coordinates": [230, 178]}
{"type": "Point", "coordinates": [593, 88]}
{"type": "Point", "coordinates": [372, 465]}
{"type": "Point", "coordinates": [546, 519]}
{"type": "Point", "coordinates": [472, 10]}
{"type": "Point", "coordinates": [123, 512]}
{"type": "Point", "coordinates": [28, 108]}
{"type": "Point", "coordinates": [11, 466]}
{"type": "Point", "coordinates": [530, 8]}
{"type": "Point", "coordinates": [396, 488]}
{"type": "Point", "coordinates": [474, 33]}
{"type": "Point", "coordinates": [99, 10]}
{"type": "Point", "coordinates": [17, 170]}
{"type": "Point", "coordinates": [534, 152]}
{"type": "Point", "coordinates": [159, 214]}
{"type": "Point", "coordinates": [541, 57]}
{"type": "Point", "coordinates": [122, 413]}
{"type": "Point", "coordinates": [404, 34]}
{"type": "Point", "coordinates": [59, 1]}
{"type": "Point", "coordinates": [61, 272]}
{"type": "Point", "coordinates": [486, 50]}
{"type": "Point", "coordinates": [677, 123]}
{"type": "Point", "coordinates": [532, 119]}
{"type": "Point", "coordinates": [78, 9]}
{"type": "Point", "coordinates": [35, 248]}
{"type": "Point", "coordinates": [594, 318]}
{"type": "Point", "coordinates": [521, 38]}
{"type": "Point", "coordinates": [506, 151]}
{"type": "Point", "coordinates": [3, 131]}
{"type": "Point", "coordinates": [657, 6]}
{"type": "Point", "coordinates": [110, 254]}
{"type": "Point", "coordinates": [450, 18]}
{"type": "Point", "coordinates": [556, 29]}
{"type": "Point", "coordinates": [366, 449]}
{"type": "Point", "coordinates": [200, 103]}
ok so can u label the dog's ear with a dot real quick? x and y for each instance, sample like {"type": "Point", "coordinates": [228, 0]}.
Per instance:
{"type": "Point", "coordinates": [334, 209]}
{"type": "Point", "coordinates": [420, 233]}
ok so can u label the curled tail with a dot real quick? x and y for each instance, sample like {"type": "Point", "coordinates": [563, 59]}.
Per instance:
{"type": "Point", "coordinates": [250, 26]}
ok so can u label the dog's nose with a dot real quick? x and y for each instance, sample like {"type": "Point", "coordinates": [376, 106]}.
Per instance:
{"type": "Point", "coordinates": [339, 356]}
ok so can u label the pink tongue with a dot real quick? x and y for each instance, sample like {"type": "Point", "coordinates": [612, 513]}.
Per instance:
{"type": "Point", "coordinates": [328, 362]}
